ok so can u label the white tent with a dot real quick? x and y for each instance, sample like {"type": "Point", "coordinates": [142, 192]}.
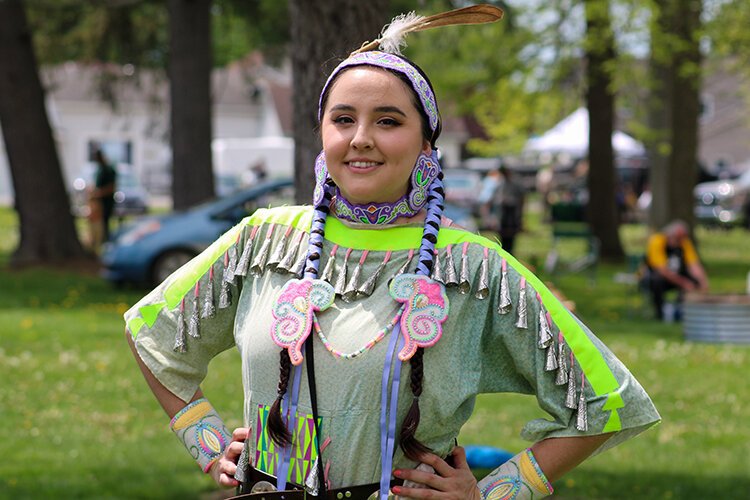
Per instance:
{"type": "Point", "coordinates": [571, 136]}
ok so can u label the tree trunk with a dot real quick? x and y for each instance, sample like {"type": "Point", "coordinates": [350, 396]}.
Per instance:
{"type": "Point", "coordinates": [48, 233]}
{"type": "Point", "coordinates": [600, 100]}
{"type": "Point", "coordinates": [323, 33]}
{"type": "Point", "coordinates": [686, 85]}
{"type": "Point", "coordinates": [674, 110]}
{"type": "Point", "coordinates": [190, 90]}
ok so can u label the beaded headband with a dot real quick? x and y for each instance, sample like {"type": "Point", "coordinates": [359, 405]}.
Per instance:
{"type": "Point", "coordinates": [395, 63]}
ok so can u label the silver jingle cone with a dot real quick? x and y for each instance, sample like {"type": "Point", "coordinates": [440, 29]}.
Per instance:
{"type": "Point", "coordinates": [299, 267]}
{"type": "Point", "coordinates": [437, 269]}
{"type": "Point", "coordinates": [194, 323]}
{"type": "Point", "coordinates": [483, 291]}
{"type": "Point", "coordinates": [288, 261]}
{"type": "Point", "coordinates": [231, 265]}
{"type": "Point", "coordinates": [277, 255]}
{"type": "Point", "coordinates": [551, 363]}
{"type": "Point", "coordinates": [341, 278]}
{"type": "Point", "coordinates": [209, 309]}
{"type": "Point", "coordinates": [522, 321]}
{"type": "Point", "coordinates": [225, 294]}
{"type": "Point", "coordinates": [403, 269]}
{"type": "Point", "coordinates": [582, 422]}
{"type": "Point", "coordinates": [545, 335]}
{"type": "Point", "coordinates": [243, 265]}
{"type": "Point", "coordinates": [562, 365]}
{"type": "Point", "coordinates": [180, 339]}
{"type": "Point", "coordinates": [369, 286]}
{"type": "Point", "coordinates": [259, 263]}
{"type": "Point", "coordinates": [312, 483]}
{"type": "Point", "coordinates": [570, 398]}
{"type": "Point", "coordinates": [464, 283]}
{"type": "Point", "coordinates": [350, 292]}
{"type": "Point", "coordinates": [451, 279]}
{"type": "Point", "coordinates": [506, 304]}
{"type": "Point", "coordinates": [327, 275]}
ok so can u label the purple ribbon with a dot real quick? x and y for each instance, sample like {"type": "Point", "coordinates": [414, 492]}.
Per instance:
{"type": "Point", "coordinates": [388, 418]}
{"type": "Point", "coordinates": [286, 452]}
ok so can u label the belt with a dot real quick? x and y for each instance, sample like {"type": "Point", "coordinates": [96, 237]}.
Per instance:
{"type": "Point", "coordinates": [260, 484]}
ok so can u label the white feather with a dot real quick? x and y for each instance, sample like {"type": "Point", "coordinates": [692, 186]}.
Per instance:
{"type": "Point", "coordinates": [392, 38]}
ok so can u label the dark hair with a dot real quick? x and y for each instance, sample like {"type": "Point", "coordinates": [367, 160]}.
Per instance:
{"type": "Point", "coordinates": [408, 442]}
{"type": "Point", "coordinates": [427, 132]}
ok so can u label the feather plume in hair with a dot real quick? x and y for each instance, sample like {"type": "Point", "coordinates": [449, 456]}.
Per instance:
{"type": "Point", "coordinates": [392, 39]}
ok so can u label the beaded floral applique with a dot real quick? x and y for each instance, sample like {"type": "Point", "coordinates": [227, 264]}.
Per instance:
{"type": "Point", "coordinates": [425, 310]}
{"type": "Point", "coordinates": [293, 313]}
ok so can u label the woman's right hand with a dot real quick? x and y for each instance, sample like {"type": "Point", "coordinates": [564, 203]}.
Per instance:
{"type": "Point", "coordinates": [222, 471]}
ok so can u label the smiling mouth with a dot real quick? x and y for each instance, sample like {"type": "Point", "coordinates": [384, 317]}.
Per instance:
{"type": "Point", "coordinates": [363, 164]}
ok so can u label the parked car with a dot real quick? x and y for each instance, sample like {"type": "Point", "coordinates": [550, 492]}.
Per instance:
{"type": "Point", "coordinates": [130, 196]}
{"type": "Point", "coordinates": [724, 202]}
{"type": "Point", "coordinates": [462, 186]}
{"type": "Point", "coordinates": [154, 247]}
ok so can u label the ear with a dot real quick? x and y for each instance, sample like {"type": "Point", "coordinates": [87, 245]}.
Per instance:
{"type": "Point", "coordinates": [426, 148]}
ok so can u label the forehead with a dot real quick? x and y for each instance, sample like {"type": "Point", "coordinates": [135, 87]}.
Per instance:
{"type": "Point", "coordinates": [367, 85]}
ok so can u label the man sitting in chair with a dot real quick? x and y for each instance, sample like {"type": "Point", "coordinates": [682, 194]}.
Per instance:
{"type": "Point", "coordinates": [673, 264]}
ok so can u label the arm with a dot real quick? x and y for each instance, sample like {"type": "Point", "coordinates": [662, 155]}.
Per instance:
{"type": "Point", "coordinates": [221, 469]}
{"type": "Point", "coordinates": [675, 278]}
{"type": "Point", "coordinates": [168, 401]}
{"type": "Point", "coordinates": [555, 457]}
{"type": "Point", "coordinates": [558, 456]}
{"type": "Point", "coordinates": [696, 271]}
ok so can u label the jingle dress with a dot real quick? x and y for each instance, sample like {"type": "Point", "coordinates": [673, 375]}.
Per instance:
{"type": "Point", "coordinates": [505, 332]}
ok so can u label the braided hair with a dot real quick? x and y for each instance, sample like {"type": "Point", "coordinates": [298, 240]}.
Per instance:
{"type": "Point", "coordinates": [435, 202]}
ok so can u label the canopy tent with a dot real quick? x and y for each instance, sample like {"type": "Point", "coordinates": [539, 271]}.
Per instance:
{"type": "Point", "coordinates": [571, 136]}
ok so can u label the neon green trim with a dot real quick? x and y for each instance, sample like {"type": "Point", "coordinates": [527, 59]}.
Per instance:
{"type": "Point", "coordinates": [134, 326]}
{"type": "Point", "coordinates": [150, 312]}
{"type": "Point", "coordinates": [196, 268]}
{"type": "Point", "coordinates": [600, 377]}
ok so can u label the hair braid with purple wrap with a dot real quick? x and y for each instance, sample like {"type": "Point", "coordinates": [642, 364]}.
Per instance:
{"type": "Point", "coordinates": [277, 430]}
{"type": "Point", "coordinates": [407, 440]}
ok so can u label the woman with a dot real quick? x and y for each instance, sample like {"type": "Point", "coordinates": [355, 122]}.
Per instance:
{"type": "Point", "coordinates": [462, 312]}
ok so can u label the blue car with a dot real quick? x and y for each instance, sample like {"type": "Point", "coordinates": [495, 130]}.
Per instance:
{"type": "Point", "coordinates": [152, 248]}
{"type": "Point", "coordinates": [148, 251]}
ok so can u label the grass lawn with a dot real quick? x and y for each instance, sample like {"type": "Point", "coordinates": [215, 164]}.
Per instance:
{"type": "Point", "coordinates": [79, 421]}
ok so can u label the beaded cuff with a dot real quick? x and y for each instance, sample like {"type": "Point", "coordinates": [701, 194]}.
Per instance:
{"type": "Point", "coordinates": [520, 478]}
{"type": "Point", "coordinates": [202, 432]}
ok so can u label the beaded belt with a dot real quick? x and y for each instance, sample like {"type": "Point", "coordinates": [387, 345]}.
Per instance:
{"type": "Point", "coordinates": [261, 486]}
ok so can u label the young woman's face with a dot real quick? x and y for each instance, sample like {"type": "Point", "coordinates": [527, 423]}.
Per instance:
{"type": "Point", "coordinates": [372, 135]}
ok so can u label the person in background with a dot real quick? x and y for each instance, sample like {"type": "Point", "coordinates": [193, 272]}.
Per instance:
{"type": "Point", "coordinates": [102, 199]}
{"type": "Point", "coordinates": [673, 264]}
{"type": "Point", "coordinates": [503, 212]}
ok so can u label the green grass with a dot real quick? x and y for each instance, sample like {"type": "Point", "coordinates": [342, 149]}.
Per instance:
{"type": "Point", "coordinates": [79, 421]}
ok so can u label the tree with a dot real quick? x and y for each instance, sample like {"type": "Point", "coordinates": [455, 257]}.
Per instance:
{"type": "Point", "coordinates": [322, 32]}
{"type": "Point", "coordinates": [46, 224]}
{"type": "Point", "coordinates": [600, 100]}
{"type": "Point", "coordinates": [676, 65]}
{"type": "Point", "coordinates": [190, 90]}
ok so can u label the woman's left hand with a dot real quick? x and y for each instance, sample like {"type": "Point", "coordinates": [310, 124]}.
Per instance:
{"type": "Point", "coordinates": [447, 482]}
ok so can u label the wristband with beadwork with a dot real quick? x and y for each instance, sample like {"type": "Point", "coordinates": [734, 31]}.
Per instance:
{"type": "Point", "coordinates": [202, 431]}
{"type": "Point", "coordinates": [520, 478]}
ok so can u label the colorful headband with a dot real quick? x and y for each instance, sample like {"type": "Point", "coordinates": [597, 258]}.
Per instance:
{"type": "Point", "coordinates": [395, 63]}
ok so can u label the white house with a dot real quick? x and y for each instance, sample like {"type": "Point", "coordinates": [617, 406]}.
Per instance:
{"type": "Point", "coordinates": [133, 125]}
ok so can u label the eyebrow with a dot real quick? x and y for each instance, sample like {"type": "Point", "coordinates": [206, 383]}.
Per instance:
{"type": "Point", "coordinates": [379, 109]}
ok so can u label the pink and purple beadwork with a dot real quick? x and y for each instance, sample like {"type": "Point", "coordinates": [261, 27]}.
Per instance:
{"type": "Point", "coordinates": [425, 310]}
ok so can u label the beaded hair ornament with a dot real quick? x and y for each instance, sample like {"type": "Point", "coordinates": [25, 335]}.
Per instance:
{"type": "Point", "coordinates": [424, 302]}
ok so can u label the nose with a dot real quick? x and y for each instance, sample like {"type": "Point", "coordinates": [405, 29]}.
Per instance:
{"type": "Point", "coordinates": [362, 139]}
